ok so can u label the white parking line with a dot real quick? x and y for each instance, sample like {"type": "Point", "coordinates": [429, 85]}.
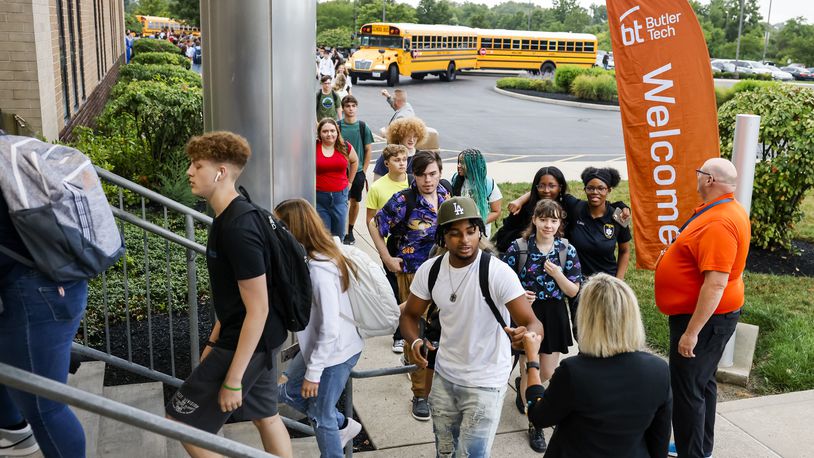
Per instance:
{"type": "Point", "coordinates": [570, 158]}
{"type": "Point", "coordinates": [510, 159]}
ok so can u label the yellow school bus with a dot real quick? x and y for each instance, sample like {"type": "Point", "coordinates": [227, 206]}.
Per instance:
{"type": "Point", "coordinates": [155, 24]}
{"type": "Point", "coordinates": [388, 50]}
{"type": "Point", "coordinates": [537, 52]}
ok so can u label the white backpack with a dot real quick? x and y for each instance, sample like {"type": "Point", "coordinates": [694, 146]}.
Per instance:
{"type": "Point", "coordinates": [375, 309]}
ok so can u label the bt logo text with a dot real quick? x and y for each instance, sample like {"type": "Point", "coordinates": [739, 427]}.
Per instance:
{"type": "Point", "coordinates": [655, 28]}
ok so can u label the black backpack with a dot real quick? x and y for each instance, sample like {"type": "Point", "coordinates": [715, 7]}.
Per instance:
{"type": "Point", "coordinates": [196, 58]}
{"type": "Point", "coordinates": [433, 328]}
{"type": "Point", "coordinates": [289, 281]}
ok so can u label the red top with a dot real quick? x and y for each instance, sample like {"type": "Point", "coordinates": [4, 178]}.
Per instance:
{"type": "Point", "coordinates": [332, 172]}
{"type": "Point", "coordinates": [717, 240]}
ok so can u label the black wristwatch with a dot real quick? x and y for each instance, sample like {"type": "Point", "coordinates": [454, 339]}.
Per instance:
{"type": "Point", "coordinates": [532, 364]}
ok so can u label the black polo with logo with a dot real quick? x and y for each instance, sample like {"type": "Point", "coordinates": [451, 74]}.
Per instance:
{"type": "Point", "coordinates": [595, 238]}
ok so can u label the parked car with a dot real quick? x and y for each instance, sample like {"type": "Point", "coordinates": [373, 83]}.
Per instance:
{"type": "Point", "coordinates": [720, 65]}
{"type": "Point", "coordinates": [755, 66]}
{"type": "Point", "coordinates": [776, 73]}
{"type": "Point", "coordinates": [799, 73]}
{"type": "Point", "coordinates": [741, 67]}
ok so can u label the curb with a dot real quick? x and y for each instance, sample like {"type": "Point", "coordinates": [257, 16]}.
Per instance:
{"type": "Point", "coordinates": [567, 103]}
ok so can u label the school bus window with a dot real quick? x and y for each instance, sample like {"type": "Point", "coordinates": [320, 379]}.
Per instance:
{"type": "Point", "coordinates": [570, 46]}
{"type": "Point", "coordinates": [578, 47]}
{"type": "Point", "coordinates": [560, 46]}
{"type": "Point", "coordinates": [525, 45]}
{"type": "Point", "coordinates": [486, 42]}
{"type": "Point", "coordinates": [589, 47]}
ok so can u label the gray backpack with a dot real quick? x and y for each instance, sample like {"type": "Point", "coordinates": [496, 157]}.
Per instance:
{"type": "Point", "coordinates": [523, 253]}
{"type": "Point", "coordinates": [58, 207]}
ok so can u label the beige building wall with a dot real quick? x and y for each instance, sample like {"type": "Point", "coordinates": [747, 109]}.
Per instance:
{"type": "Point", "coordinates": [54, 55]}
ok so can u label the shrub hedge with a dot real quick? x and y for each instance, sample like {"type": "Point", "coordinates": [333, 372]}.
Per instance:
{"type": "Point", "coordinates": [164, 73]}
{"type": "Point", "coordinates": [594, 87]}
{"type": "Point", "coordinates": [566, 74]}
{"type": "Point", "coordinates": [144, 45]}
{"type": "Point", "coordinates": [528, 84]}
{"type": "Point", "coordinates": [742, 76]}
{"type": "Point", "coordinates": [158, 58]}
{"type": "Point", "coordinates": [784, 172]}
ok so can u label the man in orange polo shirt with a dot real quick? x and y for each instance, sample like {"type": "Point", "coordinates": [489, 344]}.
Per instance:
{"type": "Point", "coordinates": [699, 284]}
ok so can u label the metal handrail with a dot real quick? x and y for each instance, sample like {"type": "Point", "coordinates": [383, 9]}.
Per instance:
{"type": "Point", "coordinates": [158, 230]}
{"type": "Point", "coordinates": [153, 196]}
{"type": "Point", "coordinates": [50, 389]}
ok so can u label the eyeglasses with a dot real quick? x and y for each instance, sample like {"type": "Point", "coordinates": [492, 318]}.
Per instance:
{"type": "Point", "coordinates": [705, 173]}
{"type": "Point", "coordinates": [543, 187]}
{"type": "Point", "coordinates": [593, 189]}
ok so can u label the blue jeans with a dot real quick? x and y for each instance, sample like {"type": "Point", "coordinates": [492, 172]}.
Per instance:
{"type": "Point", "coordinates": [38, 322]}
{"type": "Point", "coordinates": [333, 209]}
{"type": "Point", "coordinates": [322, 412]}
{"type": "Point", "coordinates": [464, 419]}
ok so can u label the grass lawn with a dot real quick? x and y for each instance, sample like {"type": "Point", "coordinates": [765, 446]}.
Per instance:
{"type": "Point", "coordinates": [783, 307]}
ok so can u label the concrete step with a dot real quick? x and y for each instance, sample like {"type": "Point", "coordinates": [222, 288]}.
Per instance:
{"type": "Point", "coordinates": [120, 440]}
{"type": "Point", "coordinates": [245, 433]}
{"type": "Point", "coordinates": [90, 378]}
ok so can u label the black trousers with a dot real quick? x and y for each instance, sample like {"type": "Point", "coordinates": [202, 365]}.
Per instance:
{"type": "Point", "coordinates": [391, 278]}
{"type": "Point", "coordinates": [695, 392]}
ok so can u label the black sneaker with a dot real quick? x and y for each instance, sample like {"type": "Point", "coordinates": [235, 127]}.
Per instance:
{"type": "Point", "coordinates": [536, 439]}
{"type": "Point", "coordinates": [518, 400]}
{"type": "Point", "coordinates": [421, 410]}
{"type": "Point", "coordinates": [349, 239]}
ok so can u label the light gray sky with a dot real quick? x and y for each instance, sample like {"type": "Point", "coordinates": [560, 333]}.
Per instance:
{"type": "Point", "coordinates": [782, 10]}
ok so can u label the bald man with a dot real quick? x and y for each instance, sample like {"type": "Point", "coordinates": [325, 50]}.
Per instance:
{"type": "Point", "coordinates": [699, 285]}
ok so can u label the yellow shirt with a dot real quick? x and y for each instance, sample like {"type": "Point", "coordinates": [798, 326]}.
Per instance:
{"type": "Point", "coordinates": [382, 190]}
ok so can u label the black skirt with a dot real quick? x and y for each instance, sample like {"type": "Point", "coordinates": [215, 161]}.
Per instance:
{"type": "Point", "coordinates": [553, 313]}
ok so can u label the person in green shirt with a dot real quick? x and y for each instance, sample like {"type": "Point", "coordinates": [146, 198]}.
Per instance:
{"type": "Point", "coordinates": [328, 102]}
{"type": "Point", "coordinates": [360, 136]}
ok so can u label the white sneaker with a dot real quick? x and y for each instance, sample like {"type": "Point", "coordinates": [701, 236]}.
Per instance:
{"type": "Point", "coordinates": [398, 346]}
{"type": "Point", "coordinates": [17, 442]}
{"type": "Point", "coordinates": [349, 432]}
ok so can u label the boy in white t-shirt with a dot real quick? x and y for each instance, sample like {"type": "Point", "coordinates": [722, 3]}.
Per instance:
{"type": "Point", "coordinates": [474, 357]}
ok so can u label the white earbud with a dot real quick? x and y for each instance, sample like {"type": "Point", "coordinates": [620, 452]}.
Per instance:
{"type": "Point", "coordinates": [217, 176]}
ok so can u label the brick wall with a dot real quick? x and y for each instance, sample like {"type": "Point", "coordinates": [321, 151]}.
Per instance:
{"type": "Point", "coordinates": [19, 90]}
{"type": "Point", "coordinates": [53, 55]}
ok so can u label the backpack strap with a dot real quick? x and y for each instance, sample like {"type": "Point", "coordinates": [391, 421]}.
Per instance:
{"type": "Point", "coordinates": [362, 130]}
{"type": "Point", "coordinates": [523, 254]}
{"type": "Point", "coordinates": [433, 277]}
{"type": "Point", "coordinates": [483, 277]}
{"type": "Point", "coordinates": [18, 257]}
{"type": "Point", "coordinates": [563, 251]}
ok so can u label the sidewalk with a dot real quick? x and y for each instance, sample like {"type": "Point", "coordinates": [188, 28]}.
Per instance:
{"type": "Point", "coordinates": [769, 426]}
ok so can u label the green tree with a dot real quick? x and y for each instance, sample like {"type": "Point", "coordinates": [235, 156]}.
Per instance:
{"type": "Point", "coordinates": [153, 7]}
{"type": "Point", "coordinates": [334, 14]}
{"type": "Point", "coordinates": [434, 12]}
{"type": "Point", "coordinates": [794, 42]}
{"type": "Point", "coordinates": [132, 24]}
{"type": "Point", "coordinates": [186, 10]}
{"type": "Point", "coordinates": [339, 37]}
{"type": "Point", "coordinates": [599, 14]}
{"type": "Point", "coordinates": [371, 11]}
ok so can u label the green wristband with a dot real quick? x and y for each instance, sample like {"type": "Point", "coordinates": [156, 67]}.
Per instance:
{"type": "Point", "coordinates": [232, 388]}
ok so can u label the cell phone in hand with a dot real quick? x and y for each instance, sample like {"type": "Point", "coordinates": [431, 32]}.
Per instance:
{"type": "Point", "coordinates": [289, 353]}
{"type": "Point", "coordinates": [617, 216]}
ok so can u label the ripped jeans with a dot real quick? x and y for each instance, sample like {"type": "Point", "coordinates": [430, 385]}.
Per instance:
{"type": "Point", "coordinates": [464, 419]}
{"type": "Point", "coordinates": [321, 410]}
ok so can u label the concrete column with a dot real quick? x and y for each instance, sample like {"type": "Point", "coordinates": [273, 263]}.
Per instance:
{"type": "Point", "coordinates": [258, 73]}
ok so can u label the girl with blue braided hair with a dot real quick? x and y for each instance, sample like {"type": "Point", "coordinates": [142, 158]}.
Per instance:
{"type": "Point", "coordinates": [472, 181]}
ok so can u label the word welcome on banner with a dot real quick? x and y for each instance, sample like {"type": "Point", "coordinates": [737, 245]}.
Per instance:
{"type": "Point", "coordinates": [669, 116]}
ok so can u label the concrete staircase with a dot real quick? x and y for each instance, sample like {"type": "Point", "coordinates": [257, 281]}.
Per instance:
{"type": "Point", "coordinates": [106, 437]}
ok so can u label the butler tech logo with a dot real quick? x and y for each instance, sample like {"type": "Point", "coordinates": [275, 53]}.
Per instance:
{"type": "Point", "coordinates": [650, 28]}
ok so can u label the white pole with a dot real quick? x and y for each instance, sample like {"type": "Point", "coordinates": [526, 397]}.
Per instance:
{"type": "Point", "coordinates": [744, 156]}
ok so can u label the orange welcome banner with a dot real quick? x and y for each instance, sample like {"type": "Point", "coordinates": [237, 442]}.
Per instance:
{"type": "Point", "coordinates": [669, 115]}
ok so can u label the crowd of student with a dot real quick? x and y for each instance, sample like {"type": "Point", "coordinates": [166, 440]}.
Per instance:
{"type": "Point", "coordinates": [553, 273]}
{"type": "Point", "coordinates": [189, 45]}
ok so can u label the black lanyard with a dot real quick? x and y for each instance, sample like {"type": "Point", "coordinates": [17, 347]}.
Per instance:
{"type": "Point", "coordinates": [722, 201]}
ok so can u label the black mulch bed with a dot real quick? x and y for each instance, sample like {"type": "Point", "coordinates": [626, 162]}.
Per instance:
{"type": "Point", "coordinates": [798, 263]}
{"type": "Point", "coordinates": [561, 96]}
{"type": "Point", "coordinates": [140, 351]}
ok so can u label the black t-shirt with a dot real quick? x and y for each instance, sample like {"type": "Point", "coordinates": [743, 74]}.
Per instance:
{"type": "Point", "coordinates": [595, 238]}
{"type": "Point", "coordinates": [236, 251]}
{"type": "Point", "coordinates": [10, 239]}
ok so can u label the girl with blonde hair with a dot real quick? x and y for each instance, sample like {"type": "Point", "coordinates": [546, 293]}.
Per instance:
{"type": "Point", "coordinates": [330, 346]}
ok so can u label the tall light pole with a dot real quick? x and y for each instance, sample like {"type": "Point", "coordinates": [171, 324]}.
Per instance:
{"type": "Point", "coordinates": [768, 30]}
{"type": "Point", "coordinates": [384, 7]}
{"type": "Point", "coordinates": [740, 30]}
{"type": "Point", "coordinates": [529, 28]}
